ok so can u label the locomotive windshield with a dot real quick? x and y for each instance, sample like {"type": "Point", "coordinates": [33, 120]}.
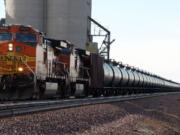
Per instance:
{"type": "Point", "coordinates": [27, 38]}
{"type": "Point", "coordinates": [5, 36]}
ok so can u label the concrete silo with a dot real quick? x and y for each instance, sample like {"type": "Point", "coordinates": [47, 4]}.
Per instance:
{"type": "Point", "coordinates": [27, 12]}
{"type": "Point", "coordinates": [68, 19]}
{"type": "Point", "coordinates": [59, 19]}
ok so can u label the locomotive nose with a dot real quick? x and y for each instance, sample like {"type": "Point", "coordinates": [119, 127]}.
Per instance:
{"type": "Point", "coordinates": [12, 58]}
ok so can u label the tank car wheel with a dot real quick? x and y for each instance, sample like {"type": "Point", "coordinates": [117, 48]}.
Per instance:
{"type": "Point", "coordinates": [133, 91]}
{"type": "Point", "coordinates": [130, 92]}
{"type": "Point", "coordinates": [116, 92]}
{"type": "Point", "coordinates": [124, 91]}
{"type": "Point", "coordinates": [106, 93]}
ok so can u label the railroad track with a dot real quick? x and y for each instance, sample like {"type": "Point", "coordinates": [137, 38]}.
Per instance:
{"type": "Point", "coordinates": [22, 108]}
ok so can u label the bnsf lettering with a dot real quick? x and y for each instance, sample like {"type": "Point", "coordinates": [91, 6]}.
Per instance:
{"type": "Point", "coordinates": [12, 58]}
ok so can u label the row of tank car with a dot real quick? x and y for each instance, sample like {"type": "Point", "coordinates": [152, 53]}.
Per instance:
{"type": "Point", "coordinates": [134, 80]}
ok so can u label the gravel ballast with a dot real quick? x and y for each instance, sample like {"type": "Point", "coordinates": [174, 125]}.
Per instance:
{"type": "Point", "coordinates": [151, 116]}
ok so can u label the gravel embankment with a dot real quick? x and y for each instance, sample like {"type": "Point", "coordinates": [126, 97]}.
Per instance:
{"type": "Point", "coordinates": [153, 116]}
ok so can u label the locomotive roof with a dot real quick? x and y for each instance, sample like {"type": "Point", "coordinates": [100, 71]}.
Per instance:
{"type": "Point", "coordinates": [19, 27]}
{"type": "Point", "coordinates": [55, 42]}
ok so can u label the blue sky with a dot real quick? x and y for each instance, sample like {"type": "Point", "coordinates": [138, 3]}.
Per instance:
{"type": "Point", "coordinates": [2, 14]}
{"type": "Point", "coordinates": [147, 33]}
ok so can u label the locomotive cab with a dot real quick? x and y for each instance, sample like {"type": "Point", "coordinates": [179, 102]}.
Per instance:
{"type": "Point", "coordinates": [17, 57]}
{"type": "Point", "coordinates": [17, 48]}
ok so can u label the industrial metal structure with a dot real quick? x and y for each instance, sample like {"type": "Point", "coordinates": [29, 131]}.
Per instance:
{"type": "Point", "coordinates": [101, 31]}
{"type": "Point", "coordinates": [2, 21]}
{"type": "Point", "coordinates": [60, 19]}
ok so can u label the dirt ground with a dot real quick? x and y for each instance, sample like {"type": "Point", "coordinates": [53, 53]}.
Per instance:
{"type": "Point", "coordinates": [150, 116]}
{"type": "Point", "coordinates": [153, 116]}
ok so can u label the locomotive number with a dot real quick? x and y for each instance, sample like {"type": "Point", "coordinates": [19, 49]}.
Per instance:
{"type": "Point", "coordinates": [13, 58]}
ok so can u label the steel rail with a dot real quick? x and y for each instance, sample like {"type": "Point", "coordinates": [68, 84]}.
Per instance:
{"type": "Point", "coordinates": [22, 108]}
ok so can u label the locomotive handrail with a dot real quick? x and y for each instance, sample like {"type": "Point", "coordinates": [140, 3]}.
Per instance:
{"type": "Point", "coordinates": [34, 74]}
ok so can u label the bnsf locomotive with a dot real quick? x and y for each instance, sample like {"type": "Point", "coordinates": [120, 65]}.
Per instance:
{"type": "Point", "coordinates": [32, 66]}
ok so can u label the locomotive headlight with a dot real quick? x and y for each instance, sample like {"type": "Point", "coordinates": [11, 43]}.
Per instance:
{"type": "Point", "coordinates": [10, 47]}
{"type": "Point", "coordinates": [20, 69]}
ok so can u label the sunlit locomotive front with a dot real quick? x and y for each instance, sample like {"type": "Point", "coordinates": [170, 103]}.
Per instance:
{"type": "Point", "coordinates": [17, 56]}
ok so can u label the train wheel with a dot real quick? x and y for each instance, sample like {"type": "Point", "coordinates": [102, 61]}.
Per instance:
{"type": "Point", "coordinates": [6, 87]}
{"type": "Point", "coordinates": [67, 87]}
{"type": "Point", "coordinates": [86, 89]}
{"type": "Point", "coordinates": [64, 89]}
{"type": "Point", "coordinates": [96, 93]}
{"type": "Point", "coordinates": [6, 83]}
{"type": "Point", "coordinates": [106, 93]}
{"type": "Point", "coordinates": [3, 84]}
{"type": "Point", "coordinates": [116, 92]}
{"type": "Point", "coordinates": [42, 88]}
{"type": "Point", "coordinates": [67, 92]}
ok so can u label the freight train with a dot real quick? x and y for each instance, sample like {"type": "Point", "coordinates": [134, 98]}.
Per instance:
{"type": "Point", "coordinates": [33, 66]}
